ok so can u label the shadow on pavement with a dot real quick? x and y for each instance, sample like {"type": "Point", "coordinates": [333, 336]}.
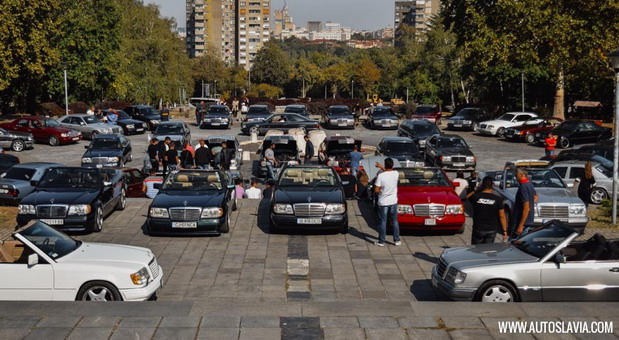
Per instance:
{"type": "Point", "coordinates": [422, 290]}
{"type": "Point", "coordinates": [425, 257]}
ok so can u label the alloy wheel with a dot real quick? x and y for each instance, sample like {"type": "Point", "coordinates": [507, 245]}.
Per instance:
{"type": "Point", "coordinates": [497, 293]}
{"type": "Point", "coordinates": [53, 141]}
{"type": "Point", "coordinates": [98, 293]}
{"type": "Point", "coordinates": [18, 145]}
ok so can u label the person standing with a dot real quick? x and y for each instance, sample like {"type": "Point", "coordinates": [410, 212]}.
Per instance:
{"type": "Point", "coordinates": [244, 109]}
{"type": "Point", "coordinates": [150, 182]}
{"type": "Point", "coordinates": [186, 159]}
{"type": "Point", "coordinates": [524, 206]}
{"type": "Point", "coordinates": [204, 156]}
{"type": "Point", "coordinates": [226, 156]}
{"type": "Point", "coordinates": [235, 106]}
{"type": "Point", "coordinates": [550, 143]}
{"type": "Point", "coordinates": [112, 117]}
{"type": "Point", "coordinates": [238, 188]}
{"type": "Point", "coordinates": [254, 192]}
{"type": "Point", "coordinates": [165, 114]}
{"type": "Point", "coordinates": [309, 150]}
{"type": "Point", "coordinates": [199, 108]}
{"type": "Point", "coordinates": [586, 185]}
{"type": "Point", "coordinates": [153, 154]}
{"type": "Point", "coordinates": [172, 159]}
{"type": "Point", "coordinates": [163, 149]}
{"type": "Point", "coordinates": [355, 159]}
{"type": "Point", "coordinates": [91, 111]}
{"type": "Point", "coordinates": [386, 186]}
{"type": "Point", "coordinates": [269, 158]}
{"type": "Point", "coordinates": [488, 213]}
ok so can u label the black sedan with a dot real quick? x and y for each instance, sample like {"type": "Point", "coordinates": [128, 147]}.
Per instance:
{"type": "Point", "coordinates": [257, 113]}
{"type": "Point", "coordinates": [299, 109]}
{"type": "Point", "coordinates": [145, 113]}
{"type": "Point", "coordinates": [130, 126]}
{"type": "Point", "coordinates": [467, 119]}
{"type": "Point", "coordinates": [579, 132]}
{"type": "Point", "coordinates": [107, 151]}
{"type": "Point", "coordinates": [418, 130]}
{"type": "Point", "coordinates": [192, 202]}
{"type": "Point", "coordinates": [7, 161]}
{"type": "Point", "coordinates": [178, 132]}
{"type": "Point", "coordinates": [403, 149]}
{"type": "Point", "coordinates": [217, 116]}
{"type": "Point", "coordinates": [382, 117]}
{"type": "Point", "coordinates": [450, 152]}
{"type": "Point", "coordinates": [280, 121]}
{"type": "Point", "coordinates": [309, 197]}
{"type": "Point", "coordinates": [339, 117]}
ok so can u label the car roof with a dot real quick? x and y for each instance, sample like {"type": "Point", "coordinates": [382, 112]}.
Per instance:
{"type": "Point", "coordinates": [78, 115]}
{"type": "Point", "coordinates": [398, 139]}
{"type": "Point", "coordinates": [35, 165]}
{"type": "Point", "coordinates": [142, 106]}
{"type": "Point", "coordinates": [107, 136]}
{"type": "Point", "coordinates": [449, 136]}
{"type": "Point", "coordinates": [259, 105]}
{"type": "Point", "coordinates": [296, 105]}
{"type": "Point", "coordinates": [218, 105]}
{"type": "Point", "coordinates": [338, 106]}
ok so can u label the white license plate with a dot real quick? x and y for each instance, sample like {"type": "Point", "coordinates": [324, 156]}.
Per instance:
{"type": "Point", "coordinates": [99, 166]}
{"type": "Point", "coordinates": [4, 191]}
{"type": "Point", "coordinates": [457, 125]}
{"type": "Point", "coordinates": [342, 124]}
{"type": "Point", "coordinates": [309, 220]}
{"type": "Point", "coordinates": [459, 165]}
{"type": "Point", "coordinates": [139, 130]}
{"type": "Point", "coordinates": [184, 225]}
{"type": "Point", "coordinates": [76, 138]}
{"type": "Point", "coordinates": [53, 222]}
{"type": "Point", "coordinates": [215, 124]}
{"type": "Point", "coordinates": [429, 221]}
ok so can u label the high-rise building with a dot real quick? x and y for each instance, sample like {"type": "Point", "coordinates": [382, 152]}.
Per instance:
{"type": "Point", "coordinates": [204, 25]}
{"type": "Point", "coordinates": [314, 26]}
{"type": "Point", "coordinates": [415, 14]}
{"type": "Point", "coordinates": [254, 27]}
{"type": "Point", "coordinates": [402, 8]}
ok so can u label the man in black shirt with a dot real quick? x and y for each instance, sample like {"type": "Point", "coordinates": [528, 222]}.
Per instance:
{"type": "Point", "coordinates": [153, 154]}
{"type": "Point", "coordinates": [488, 212]}
{"type": "Point", "coordinates": [163, 149]}
{"type": "Point", "coordinates": [171, 157]}
{"type": "Point", "coordinates": [309, 150]}
{"type": "Point", "coordinates": [204, 156]}
{"type": "Point", "coordinates": [226, 156]}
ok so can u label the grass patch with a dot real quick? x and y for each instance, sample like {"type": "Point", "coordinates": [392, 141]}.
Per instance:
{"type": "Point", "coordinates": [7, 217]}
{"type": "Point", "coordinates": [601, 216]}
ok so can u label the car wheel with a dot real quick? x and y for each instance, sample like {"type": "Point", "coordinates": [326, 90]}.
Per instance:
{"type": "Point", "coordinates": [97, 223]}
{"type": "Point", "coordinates": [18, 145]}
{"type": "Point", "coordinates": [475, 126]}
{"type": "Point", "coordinates": [530, 138]}
{"type": "Point", "coordinates": [94, 134]}
{"type": "Point", "coordinates": [497, 291]}
{"type": "Point", "coordinates": [225, 228]}
{"type": "Point", "coordinates": [98, 291]}
{"type": "Point", "coordinates": [500, 132]}
{"type": "Point", "coordinates": [53, 141]}
{"type": "Point", "coordinates": [254, 129]}
{"type": "Point", "coordinates": [122, 202]}
{"type": "Point", "coordinates": [598, 195]}
{"type": "Point", "coordinates": [564, 142]}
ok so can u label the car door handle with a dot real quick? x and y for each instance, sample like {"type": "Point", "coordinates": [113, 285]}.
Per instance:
{"type": "Point", "coordinates": [614, 270]}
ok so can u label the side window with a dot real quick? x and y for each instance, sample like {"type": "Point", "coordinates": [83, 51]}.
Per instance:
{"type": "Point", "coordinates": [137, 175]}
{"type": "Point", "coordinates": [522, 118]}
{"type": "Point", "coordinates": [562, 171]}
{"type": "Point", "coordinates": [22, 123]}
{"type": "Point", "coordinates": [577, 173]}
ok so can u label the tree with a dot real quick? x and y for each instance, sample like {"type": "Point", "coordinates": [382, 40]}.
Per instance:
{"type": "Point", "coordinates": [265, 91]}
{"type": "Point", "coordinates": [209, 68]}
{"type": "Point", "coordinates": [367, 75]}
{"type": "Point", "coordinates": [308, 74]}
{"type": "Point", "coordinates": [338, 76]}
{"type": "Point", "coordinates": [271, 66]}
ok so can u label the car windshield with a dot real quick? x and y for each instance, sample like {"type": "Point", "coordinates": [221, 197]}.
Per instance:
{"type": "Point", "coordinates": [78, 178]}
{"type": "Point", "coordinates": [540, 178]}
{"type": "Point", "coordinates": [122, 115]}
{"type": "Point", "coordinates": [467, 113]}
{"type": "Point", "coordinates": [451, 142]}
{"type": "Point", "coordinates": [217, 110]}
{"type": "Point", "coordinates": [604, 171]}
{"type": "Point", "coordinates": [149, 111]}
{"type": "Point", "coordinates": [295, 109]}
{"type": "Point", "coordinates": [19, 174]}
{"type": "Point", "coordinates": [91, 120]}
{"type": "Point", "coordinates": [105, 143]}
{"type": "Point", "coordinates": [339, 111]}
{"type": "Point", "coordinates": [313, 177]}
{"type": "Point", "coordinates": [418, 177]}
{"type": "Point", "coordinates": [51, 123]}
{"type": "Point", "coordinates": [169, 129]}
{"type": "Point", "coordinates": [541, 241]}
{"type": "Point", "coordinates": [400, 148]}
{"type": "Point", "coordinates": [258, 109]}
{"type": "Point", "coordinates": [507, 117]}
{"type": "Point", "coordinates": [425, 129]}
{"type": "Point", "coordinates": [51, 241]}
{"type": "Point", "coordinates": [383, 111]}
{"type": "Point", "coordinates": [193, 181]}
{"type": "Point", "coordinates": [422, 110]}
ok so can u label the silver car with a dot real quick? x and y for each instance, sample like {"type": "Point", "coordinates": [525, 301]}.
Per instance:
{"type": "Point", "coordinates": [16, 182]}
{"type": "Point", "coordinates": [89, 126]}
{"type": "Point", "coordinates": [571, 170]}
{"type": "Point", "coordinates": [555, 199]}
{"type": "Point", "coordinates": [16, 141]}
{"type": "Point", "coordinates": [547, 264]}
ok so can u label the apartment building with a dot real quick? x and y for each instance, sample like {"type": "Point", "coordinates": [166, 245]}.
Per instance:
{"type": "Point", "coordinates": [254, 27]}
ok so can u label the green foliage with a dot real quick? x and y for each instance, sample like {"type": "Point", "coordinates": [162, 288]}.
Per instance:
{"type": "Point", "coordinates": [265, 91]}
{"type": "Point", "coordinates": [271, 66]}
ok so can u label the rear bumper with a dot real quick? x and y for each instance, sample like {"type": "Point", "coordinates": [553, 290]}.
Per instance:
{"type": "Point", "coordinates": [446, 223]}
{"type": "Point", "coordinates": [143, 294]}
{"type": "Point", "coordinates": [205, 227]}
{"type": "Point", "coordinates": [329, 222]}
{"type": "Point", "coordinates": [377, 125]}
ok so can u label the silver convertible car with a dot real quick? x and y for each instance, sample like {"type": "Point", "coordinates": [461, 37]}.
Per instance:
{"type": "Point", "coordinates": [547, 264]}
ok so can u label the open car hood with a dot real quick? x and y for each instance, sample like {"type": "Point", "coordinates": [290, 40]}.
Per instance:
{"type": "Point", "coordinates": [368, 165]}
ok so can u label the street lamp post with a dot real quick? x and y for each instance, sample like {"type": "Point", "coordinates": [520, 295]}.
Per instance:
{"type": "Point", "coordinates": [522, 89]}
{"type": "Point", "coordinates": [66, 89]}
{"type": "Point", "coordinates": [614, 60]}
{"type": "Point", "coordinates": [352, 90]}
{"type": "Point", "coordinates": [215, 89]}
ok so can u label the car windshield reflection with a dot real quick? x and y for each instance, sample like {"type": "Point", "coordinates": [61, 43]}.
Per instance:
{"type": "Point", "coordinates": [52, 242]}
{"type": "Point", "coordinates": [541, 241]}
{"type": "Point", "coordinates": [313, 177]}
{"type": "Point", "coordinates": [193, 180]}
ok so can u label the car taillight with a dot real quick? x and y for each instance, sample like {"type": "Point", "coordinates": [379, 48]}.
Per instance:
{"type": "Point", "coordinates": [13, 192]}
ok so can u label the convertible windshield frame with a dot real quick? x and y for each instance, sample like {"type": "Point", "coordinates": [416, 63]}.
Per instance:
{"type": "Point", "coordinates": [41, 235]}
{"type": "Point", "coordinates": [198, 181]}
{"type": "Point", "coordinates": [554, 233]}
{"type": "Point", "coordinates": [420, 177]}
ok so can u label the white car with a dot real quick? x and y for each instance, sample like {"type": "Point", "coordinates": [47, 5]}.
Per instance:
{"type": "Point", "coordinates": [44, 264]}
{"type": "Point", "coordinates": [498, 126]}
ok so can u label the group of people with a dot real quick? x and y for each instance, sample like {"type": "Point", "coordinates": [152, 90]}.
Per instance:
{"type": "Point", "coordinates": [166, 156]}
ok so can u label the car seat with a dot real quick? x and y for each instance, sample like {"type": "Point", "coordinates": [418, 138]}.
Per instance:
{"type": "Point", "coordinates": [5, 256]}
{"type": "Point", "coordinates": [402, 178]}
{"type": "Point", "coordinates": [592, 249]}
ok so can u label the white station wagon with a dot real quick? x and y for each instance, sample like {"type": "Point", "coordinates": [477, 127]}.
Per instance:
{"type": "Point", "coordinates": [44, 264]}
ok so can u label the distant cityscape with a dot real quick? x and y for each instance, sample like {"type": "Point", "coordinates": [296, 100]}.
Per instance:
{"type": "Point", "coordinates": [237, 30]}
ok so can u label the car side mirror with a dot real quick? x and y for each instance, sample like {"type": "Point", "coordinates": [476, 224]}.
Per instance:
{"type": "Point", "coordinates": [560, 258]}
{"type": "Point", "coordinates": [107, 184]}
{"type": "Point", "coordinates": [33, 260]}
{"type": "Point", "coordinates": [34, 183]}
{"type": "Point", "coordinates": [570, 185]}
{"type": "Point", "coordinates": [157, 186]}
{"type": "Point", "coordinates": [82, 123]}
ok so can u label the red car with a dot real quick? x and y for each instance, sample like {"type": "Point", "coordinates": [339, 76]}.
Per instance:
{"type": "Point", "coordinates": [427, 201]}
{"type": "Point", "coordinates": [431, 113]}
{"type": "Point", "coordinates": [526, 132]}
{"type": "Point", "coordinates": [135, 182]}
{"type": "Point", "coordinates": [44, 130]}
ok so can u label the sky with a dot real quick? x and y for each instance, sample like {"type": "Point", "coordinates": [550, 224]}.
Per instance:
{"type": "Point", "coordinates": [357, 14]}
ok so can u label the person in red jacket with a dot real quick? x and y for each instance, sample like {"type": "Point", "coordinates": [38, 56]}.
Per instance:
{"type": "Point", "coordinates": [550, 143]}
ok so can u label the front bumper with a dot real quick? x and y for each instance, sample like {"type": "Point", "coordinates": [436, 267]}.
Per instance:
{"type": "Point", "coordinates": [574, 222]}
{"type": "Point", "coordinates": [489, 132]}
{"type": "Point", "coordinates": [386, 126]}
{"type": "Point", "coordinates": [144, 293]}
{"type": "Point", "coordinates": [210, 226]}
{"type": "Point", "coordinates": [334, 124]}
{"type": "Point", "coordinates": [134, 130]}
{"type": "Point", "coordinates": [445, 223]}
{"type": "Point", "coordinates": [99, 166]}
{"type": "Point", "coordinates": [69, 140]}
{"type": "Point", "coordinates": [69, 223]}
{"type": "Point", "coordinates": [450, 291]}
{"type": "Point", "coordinates": [458, 125]}
{"type": "Point", "coordinates": [214, 125]}
{"type": "Point", "coordinates": [458, 166]}
{"type": "Point", "coordinates": [329, 222]}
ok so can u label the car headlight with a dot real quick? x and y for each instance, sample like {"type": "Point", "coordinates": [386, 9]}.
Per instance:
{"type": "Point", "coordinates": [65, 135]}
{"type": "Point", "coordinates": [456, 276]}
{"type": "Point", "coordinates": [86, 160]}
{"type": "Point", "coordinates": [154, 122]}
{"type": "Point", "coordinates": [26, 209]}
{"type": "Point", "coordinates": [212, 212]}
{"type": "Point", "coordinates": [130, 126]}
{"type": "Point", "coordinates": [224, 119]}
{"type": "Point", "coordinates": [467, 122]}
{"type": "Point", "coordinates": [405, 209]}
{"type": "Point", "coordinates": [578, 210]}
{"type": "Point", "coordinates": [446, 158]}
{"type": "Point", "coordinates": [141, 277]}
{"type": "Point", "coordinates": [79, 209]}
{"type": "Point", "coordinates": [113, 159]}
{"type": "Point", "coordinates": [422, 142]}
{"type": "Point", "coordinates": [283, 209]}
{"type": "Point", "coordinates": [420, 164]}
{"type": "Point", "coordinates": [470, 159]}
{"type": "Point", "coordinates": [490, 127]}
{"type": "Point", "coordinates": [454, 209]}
{"type": "Point", "coordinates": [333, 209]}
{"type": "Point", "coordinates": [159, 213]}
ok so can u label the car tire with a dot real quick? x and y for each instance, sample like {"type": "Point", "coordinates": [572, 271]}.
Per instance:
{"type": "Point", "coordinates": [598, 195]}
{"type": "Point", "coordinates": [225, 228]}
{"type": "Point", "coordinates": [254, 129]}
{"type": "Point", "coordinates": [97, 223]}
{"type": "Point", "coordinates": [18, 145]}
{"type": "Point", "coordinates": [474, 127]}
{"type": "Point", "coordinates": [122, 202]}
{"type": "Point", "coordinates": [98, 291]}
{"type": "Point", "coordinates": [530, 138]}
{"type": "Point", "coordinates": [53, 141]}
{"type": "Point", "coordinates": [564, 142]}
{"type": "Point", "coordinates": [500, 132]}
{"type": "Point", "coordinates": [497, 291]}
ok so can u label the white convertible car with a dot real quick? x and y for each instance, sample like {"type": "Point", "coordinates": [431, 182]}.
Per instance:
{"type": "Point", "coordinates": [498, 126]}
{"type": "Point", "coordinates": [42, 263]}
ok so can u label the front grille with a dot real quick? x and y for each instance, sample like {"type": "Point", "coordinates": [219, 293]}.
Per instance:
{"type": "Point", "coordinates": [99, 160]}
{"type": "Point", "coordinates": [74, 133]}
{"type": "Point", "coordinates": [154, 268]}
{"type": "Point", "coordinates": [116, 130]}
{"type": "Point", "coordinates": [554, 211]}
{"type": "Point", "coordinates": [51, 211]}
{"type": "Point", "coordinates": [440, 267]}
{"type": "Point", "coordinates": [185, 214]}
{"type": "Point", "coordinates": [309, 209]}
{"type": "Point", "coordinates": [429, 210]}
{"type": "Point", "coordinates": [458, 159]}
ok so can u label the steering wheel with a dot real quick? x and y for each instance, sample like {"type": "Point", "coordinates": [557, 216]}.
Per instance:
{"type": "Point", "coordinates": [45, 244]}
{"type": "Point", "coordinates": [322, 181]}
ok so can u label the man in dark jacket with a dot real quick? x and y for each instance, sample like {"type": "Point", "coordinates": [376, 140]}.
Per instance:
{"type": "Point", "coordinates": [309, 151]}
{"type": "Point", "coordinates": [226, 156]}
{"type": "Point", "coordinates": [204, 155]}
{"type": "Point", "coordinates": [153, 154]}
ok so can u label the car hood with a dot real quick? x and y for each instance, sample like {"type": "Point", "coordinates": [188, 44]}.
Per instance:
{"type": "Point", "coordinates": [216, 115]}
{"type": "Point", "coordinates": [99, 252]}
{"type": "Point", "coordinates": [258, 115]}
{"type": "Point", "coordinates": [556, 195]}
{"type": "Point", "coordinates": [174, 138]}
{"type": "Point", "coordinates": [184, 198]}
{"type": "Point", "coordinates": [99, 126]}
{"type": "Point", "coordinates": [61, 197]}
{"type": "Point", "coordinates": [384, 117]}
{"type": "Point", "coordinates": [340, 115]}
{"type": "Point", "coordinates": [304, 194]}
{"type": "Point", "coordinates": [129, 121]}
{"type": "Point", "coordinates": [497, 122]}
{"type": "Point", "coordinates": [405, 157]}
{"type": "Point", "coordinates": [460, 118]}
{"type": "Point", "coordinates": [484, 255]}
{"type": "Point", "coordinates": [426, 194]}
{"type": "Point", "coordinates": [103, 153]}
{"type": "Point", "coordinates": [456, 151]}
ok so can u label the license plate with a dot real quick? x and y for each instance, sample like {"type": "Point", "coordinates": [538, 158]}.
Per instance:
{"type": "Point", "coordinates": [4, 191]}
{"type": "Point", "coordinates": [342, 124]}
{"type": "Point", "coordinates": [459, 165]}
{"type": "Point", "coordinates": [139, 130]}
{"type": "Point", "coordinates": [215, 124]}
{"type": "Point", "coordinates": [184, 225]}
{"type": "Point", "coordinates": [458, 125]}
{"type": "Point", "coordinates": [429, 221]}
{"type": "Point", "coordinates": [76, 138]}
{"type": "Point", "coordinates": [309, 220]}
{"type": "Point", "coordinates": [99, 166]}
{"type": "Point", "coordinates": [53, 222]}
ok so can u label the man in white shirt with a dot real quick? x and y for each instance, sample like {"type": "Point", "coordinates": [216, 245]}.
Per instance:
{"type": "Point", "coordinates": [91, 111]}
{"type": "Point", "coordinates": [386, 187]}
{"type": "Point", "coordinates": [254, 192]}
